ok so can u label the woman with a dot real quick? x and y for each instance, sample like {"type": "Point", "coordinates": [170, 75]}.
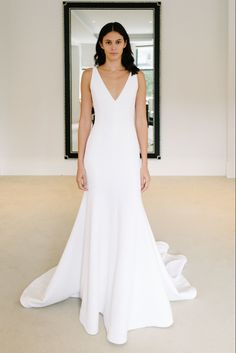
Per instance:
{"type": "Point", "coordinates": [115, 62]}
{"type": "Point", "coordinates": [111, 260]}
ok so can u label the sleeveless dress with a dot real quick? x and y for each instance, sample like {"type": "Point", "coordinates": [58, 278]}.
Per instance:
{"type": "Point", "coordinates": [111, 259]}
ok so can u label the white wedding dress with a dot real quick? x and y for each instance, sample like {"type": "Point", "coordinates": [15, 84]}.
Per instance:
{"type": "Point", "coordinates": [112, 260]}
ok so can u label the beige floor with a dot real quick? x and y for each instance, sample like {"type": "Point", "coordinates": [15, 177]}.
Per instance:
{"type": "Point", "coordinates": [195, 215]}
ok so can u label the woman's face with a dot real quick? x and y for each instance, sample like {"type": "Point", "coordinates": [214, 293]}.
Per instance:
{"type": "Point", "coordinates": [113, 44]}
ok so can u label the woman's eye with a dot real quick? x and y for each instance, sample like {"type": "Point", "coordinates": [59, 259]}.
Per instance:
{"type": "Point", "coordinates": [118, 42]}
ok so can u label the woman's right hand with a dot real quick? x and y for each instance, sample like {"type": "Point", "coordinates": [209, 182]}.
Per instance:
{"type": "Point", "coordinates": [81, 178]}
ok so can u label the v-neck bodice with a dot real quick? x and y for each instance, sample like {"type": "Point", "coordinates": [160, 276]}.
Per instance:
{"type": "Point", "coordinates": [114, 119]}
{"type": "Point", "coordinates": [123, 88]}
{"type": "Point", "coordinates": [109, 111]}
{"type": "Point", "coordinates": [100, 92]}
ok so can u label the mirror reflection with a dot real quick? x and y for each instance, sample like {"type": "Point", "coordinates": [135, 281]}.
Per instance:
{"type": "Point", "coordinates": [85, 25]}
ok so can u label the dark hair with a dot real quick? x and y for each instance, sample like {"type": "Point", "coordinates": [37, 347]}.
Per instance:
{"type": "Point", "coordinates": [127, 58]}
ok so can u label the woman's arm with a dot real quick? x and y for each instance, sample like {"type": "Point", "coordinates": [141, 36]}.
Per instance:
{"type": "Point", "coordinates": [140, 117]}
{"type": "Point", "coordinates": [85, 121]}
{"type": "Point", "coordinates": [142, 129]}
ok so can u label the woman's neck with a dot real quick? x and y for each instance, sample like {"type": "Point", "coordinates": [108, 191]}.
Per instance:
{"type": "Point", "coordinates": [113, 66]}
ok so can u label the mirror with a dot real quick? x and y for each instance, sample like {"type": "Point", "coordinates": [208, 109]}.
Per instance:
{"type": "Point", "coordinates": [82, 24]}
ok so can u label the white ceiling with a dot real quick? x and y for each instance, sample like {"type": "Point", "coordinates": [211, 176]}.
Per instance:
{"type": "Point", "coordinates": [86, 24]}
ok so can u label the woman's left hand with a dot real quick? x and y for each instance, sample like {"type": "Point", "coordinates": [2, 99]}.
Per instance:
{"type": "Point", "coordinates": [144, 178]}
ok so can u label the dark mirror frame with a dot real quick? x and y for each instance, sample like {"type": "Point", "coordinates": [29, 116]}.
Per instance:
{"type": "Point", "coordinates": [68, 6]}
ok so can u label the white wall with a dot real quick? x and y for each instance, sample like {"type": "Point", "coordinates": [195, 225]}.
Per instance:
{"type": "Point", "coordinates": [4, 81]}
{"type": "Point", "coordinates": [194, 89]}
{"type": "Point", "coordinates": [230, 166]}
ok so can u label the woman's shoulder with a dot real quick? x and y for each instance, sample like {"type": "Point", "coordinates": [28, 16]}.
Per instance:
{"type": "Point", "coordinates": [140, 73]}
{"type": "Point", "coordinates": [87, 74]}
{"type": "Point", "coordinates": [88, 71]}
{"type": "Point", "coordinates": [141, 77]}
{"type": "Point", "coordinates": [86, 77]}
